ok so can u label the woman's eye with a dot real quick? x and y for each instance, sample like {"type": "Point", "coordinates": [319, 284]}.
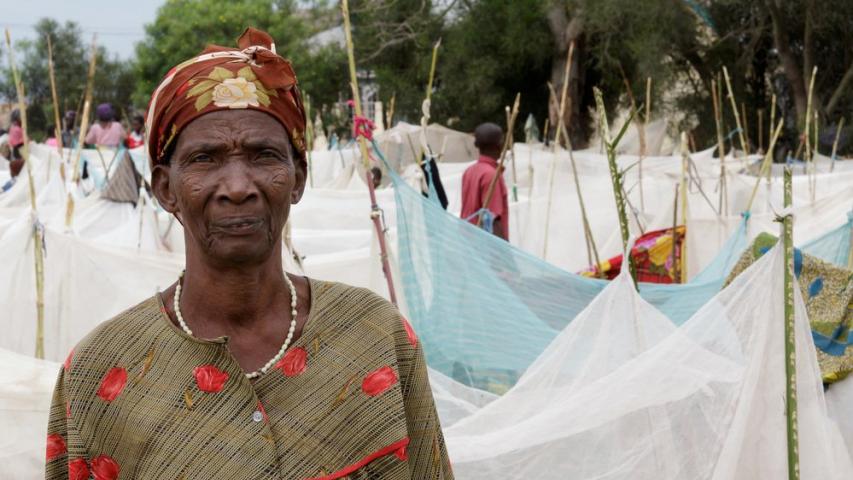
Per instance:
{"type": "Point", "coordinates": [201, 158]}
{"type": "Point", "coordinates": [269, 154]}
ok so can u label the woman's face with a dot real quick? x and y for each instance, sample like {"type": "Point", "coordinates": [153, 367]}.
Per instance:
{"type": "Point", "coordinates": [231, 180]}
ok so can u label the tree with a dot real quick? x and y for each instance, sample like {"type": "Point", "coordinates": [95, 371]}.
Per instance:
{"type": "Point", "coordinates": [183, 28]}
{"type": "Point", "coordinates": [113, 78]}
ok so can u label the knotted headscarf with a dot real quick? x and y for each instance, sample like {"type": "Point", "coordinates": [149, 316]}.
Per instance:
{"type": "Point", "coordinates": [220, 78]}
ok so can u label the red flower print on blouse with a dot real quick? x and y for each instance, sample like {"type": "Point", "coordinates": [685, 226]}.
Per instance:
{"type": "Point", "coordinates": [104, 468]}
{"type": "Point", "coordinates": [77, 469]}
{"type": "Point", "coordinates": [263, 411]}
{"type": "Point", "coordinates": [55, 446]}
{"type": "Point", "coordinates": [67, 363]}
{"type": "Point", "coordinates": [410, 332]}
{"type": "Point", "coordinates": [112, 384]}
{"type": "Point", "coordinates": [378, 381]}
{"type": "Point", "coordinates": [401, 453]}
{"type": "Point", "coordinates": [293, 362]}
{"type": "Point", "coordinates": [209, 378]}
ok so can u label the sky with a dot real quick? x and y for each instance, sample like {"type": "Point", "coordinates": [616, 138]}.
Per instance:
{"type": "Point", "coordinates": [118, 23]}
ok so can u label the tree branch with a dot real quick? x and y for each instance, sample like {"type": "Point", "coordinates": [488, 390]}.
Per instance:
{"type": "Point", "coordinates": [840, 90]}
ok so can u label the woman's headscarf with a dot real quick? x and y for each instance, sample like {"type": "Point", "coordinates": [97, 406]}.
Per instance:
{"type": "Point", "coordinates": [104, 112]}
{"type": "Point", "coordinates": [220, 78]}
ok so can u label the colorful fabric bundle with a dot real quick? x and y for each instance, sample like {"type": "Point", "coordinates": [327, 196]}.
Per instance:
{"type": "Point", "coordinates": [653, 256]}
{"type": "Point", "coordinates": [828, 293]}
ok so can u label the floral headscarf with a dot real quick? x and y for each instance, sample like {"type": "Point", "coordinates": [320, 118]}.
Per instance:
{"type": "Point", "coordinates": [221, 78]}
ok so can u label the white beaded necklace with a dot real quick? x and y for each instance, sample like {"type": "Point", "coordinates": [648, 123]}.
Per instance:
{"type": "Point", "coordinates": [273, 360]}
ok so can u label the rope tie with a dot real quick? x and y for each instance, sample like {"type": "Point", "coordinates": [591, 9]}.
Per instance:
{"type": "Point", "coordinates": [361, 126]}
{"type": "Point", "coordinates": [487, 219]}
{"type": "Point", "coordinates": [38, 229]}
{"type": "Point", "coordinates": [781, 215]}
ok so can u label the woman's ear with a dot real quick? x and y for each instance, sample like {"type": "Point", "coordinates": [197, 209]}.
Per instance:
{"type": "Point", "coordinates": [161, 186]}
{"type": "Point", "coordinates": [299, 185]}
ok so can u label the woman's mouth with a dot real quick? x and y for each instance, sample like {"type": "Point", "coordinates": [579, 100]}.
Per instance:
{"type": "Point", "coordinates": [238, 225]}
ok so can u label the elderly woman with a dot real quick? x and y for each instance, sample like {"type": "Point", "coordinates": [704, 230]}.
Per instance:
{"type": "Point", "coordinates": [240, 370]}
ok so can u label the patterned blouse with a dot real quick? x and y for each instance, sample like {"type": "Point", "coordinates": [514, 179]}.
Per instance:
{"type": "Point", "coordinates": [140, 399]}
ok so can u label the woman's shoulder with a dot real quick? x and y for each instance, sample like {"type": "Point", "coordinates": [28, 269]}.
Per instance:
{"type": "Point", "coordinates": [126, 334]}
{"type": "Point", "coordinates": [343, 305]}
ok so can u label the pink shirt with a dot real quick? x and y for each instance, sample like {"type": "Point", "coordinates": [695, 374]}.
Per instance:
{"type": "Point", "coordinates": [110, 136]}
{"type": "Point", "coordinates": [475, 187]}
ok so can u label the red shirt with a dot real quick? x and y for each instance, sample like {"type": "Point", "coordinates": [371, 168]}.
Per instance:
{"type": "Point", "coordinates": [475, 187]}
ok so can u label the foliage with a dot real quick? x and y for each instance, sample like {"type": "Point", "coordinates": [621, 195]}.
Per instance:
{"type": "Point", "coordinates": [493, 49]}
{"type": "Point", "coordinates": [183, 28]}
{"type": "Point", "coordinates": [114, 80]}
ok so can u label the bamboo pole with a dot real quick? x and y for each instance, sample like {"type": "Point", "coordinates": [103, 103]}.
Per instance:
{"type": "Point", "coordinates": [84, 127]}
{"type": "Point", "coordinates": [745, 122]}
{"type": "Point", "coordinates": [498, 171]}
{"type": "Point", "coordinates": [772, 119]}
{"type": "Point", "coordinates": [685, 164]}
{"type": "Point", "coordinates": [643, 140]}
{"type": "Point", "coordinates": [592, 250]}
{"type": "Point", "coordinates": [615, 177]}
{"type": "Point", "coordinates": [309, 140]}
{"type": "Point", "coordinates": [57, 130]}
{"type": "Point", "coordinates": [723, 206]}
{"type": "Point", "coordinates": [765, 164]}
{"type": "Point", "coordinates": [362, 144]}
{"type": "Point", "coordinates": [807, 140]}
{"type": "Point", "coordinates": [761, 130]}
{"type": "Point", "coordinates": [835, 145]}
{"type": "Point", "coordinates": [425, 107]}
{"type": "Point", "coordinates": [741, 135]}
{"type": "Point", "coordinates": [38, 238]}
{"type": "Point", "coordinates": [511, 133]}
{"type": "Point", "coordinates": [590, 241]}
{"type": "Point", "coordinates": [87, 105]}
{"type": "Point", "coordinates": [790, 340]}
{"type": "Point", "coordinates": [556, 143]}
{"type": "Point", "coordinates": [390, 115]}
{"type": "Point", "coordinates": [641, 131]}
{"type": "Point", "coordinates": [674, 260]}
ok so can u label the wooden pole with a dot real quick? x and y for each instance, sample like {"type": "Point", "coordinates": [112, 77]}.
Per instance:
{"type": "Point", "coordinates": [309, 139]}
{"type": "Point", "coordinates": [592, 250]}
{"type": "Point", "coordinates": [390, 115]}
{"type": "Point", "coordinates": [835, 145]}
{"type": "Point", "coordinates": [643, 140]}
{"type": "Point", "coordinates": [84, 128]}
{"type": "Point", "coordinates": [57, 131]}
{"type": "Point", "coordinates": [556, 143]}
{"type": "Point", "coordinates": [507, 139]}
{"type": "Point", "coordinates": [38, 232]}
{"type": "Point", "coordinates": [615, 177]}
{"type": "Point", "coordinates": [362, 144]}
{"type": "Point", "coordinates": [808, 142]}
{"type": "Point", "coordinates": [685, 163]}
{"type": "Point", "coordinates": [723, 206]}
{"type": "Point", "coordinates": [675, 277]}
{"type": "Point", "coordinates": [772, 119]}
{"type": "Point", "coordinates": [511, 133]}
{"type": "Point", "coordinates": [745, 121]}
{"type": "Point", "coordinates": [765, 164]}
{"type": "Point", "coordinates": [741, 135]}
{"type": "Point", "coordinates": [790, 340]}
{"type": "Point", "coordinates": [761, 130]}
{"type": "Point", "coordinates": [425, 107]}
